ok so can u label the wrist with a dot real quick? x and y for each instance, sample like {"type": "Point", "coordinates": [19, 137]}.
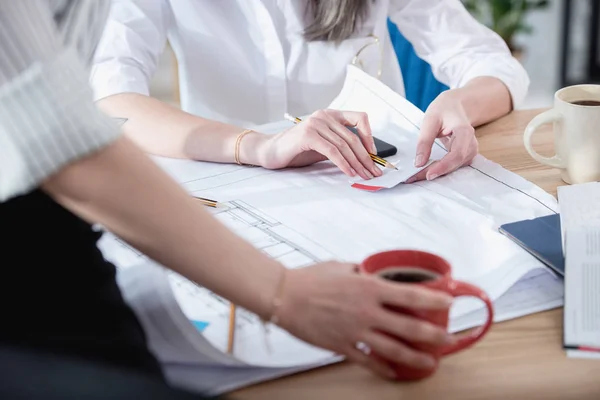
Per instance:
{"type": "Point", "coordinates": [458, 102]}
{"type": "Point", "coordinates": [251, 148]}
{"type": "Point", "coordinates": [273, 299]}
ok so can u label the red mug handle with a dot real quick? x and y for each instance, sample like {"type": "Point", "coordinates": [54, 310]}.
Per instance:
{"type": "Point", "coordinates": [458, 288]}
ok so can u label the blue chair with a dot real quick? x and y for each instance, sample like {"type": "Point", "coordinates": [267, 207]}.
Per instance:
{"type": "Point", "coordinates": [420, 84]}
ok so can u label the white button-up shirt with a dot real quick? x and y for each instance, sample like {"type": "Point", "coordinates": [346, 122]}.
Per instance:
{"type": "Point", "coordinates": [246, 62]}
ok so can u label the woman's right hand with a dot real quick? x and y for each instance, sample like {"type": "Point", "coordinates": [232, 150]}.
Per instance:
{"type": "Point", "coordinates": [323, 135]}
{"type": "Point", "coordinates": [332, 306]}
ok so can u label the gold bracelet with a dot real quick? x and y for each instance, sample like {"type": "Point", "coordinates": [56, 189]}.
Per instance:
{"type": "Point", "coordinates": [273, 318]}
{"type": "Point", "coordinates": [237, 145]}
{"type": "Point", "coordinates": [276, 303]}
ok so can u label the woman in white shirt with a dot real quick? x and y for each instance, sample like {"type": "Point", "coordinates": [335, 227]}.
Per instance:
{"type": "Point", "coordinates": [243, 63]}
{"type": "Point", "coordinates": [64, 166]}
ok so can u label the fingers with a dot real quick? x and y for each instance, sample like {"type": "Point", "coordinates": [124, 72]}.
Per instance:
{"type": "Point", "coordinates": [397, 352]}
{"type": "Point", "coordinates": [411, 329]}
{"type": "Point", "coordinates": [429, 131]}
{"type": "Point", "coordinates": [421, 175]}
{"type": "Point", "coordinates": [377, 365]}
{"type": "Point", "coordinates": [339, 144]}
{"type": "Point", "coordinates": [352, 150]}
{"type": "Point", "coordinates": [360, 120]}
{"type": "Point", "coordinates": [412, 296]}
{"type": "Point", "coordinates": [342, 123]}
{"type": "Point", "coordinates": [329, 150]}
{"type": "Point", "coordinates": [462, 148]}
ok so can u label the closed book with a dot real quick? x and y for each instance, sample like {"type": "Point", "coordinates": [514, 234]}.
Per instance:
{"type": "Point", "coordinates": [541, 237]}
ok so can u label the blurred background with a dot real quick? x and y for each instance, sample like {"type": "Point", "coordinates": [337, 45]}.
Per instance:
{"type": "Point", "coordinates": [557, 41]}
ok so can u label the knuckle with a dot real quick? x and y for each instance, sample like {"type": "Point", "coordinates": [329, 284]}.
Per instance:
{"type": "Point", "coordinates": [413, 329]}
{"type": "Point", "coordinates": [311, 134]}
{"type": "Point", "coordinates": [339, 142]}
{"type": "Point", "coordinates": [428, 333]}
{"type": "Point", "coordinates": [320, 114]}
{"type": "Point", "coordinates": [410, 296]}
{"type": "Point", "coordinates": [398, 353]}
{"type": "Point", "coordinates": [353, 140]}
{"type": "Point", "coordinates": [412, 357]}
{"type": "Point", "coordinates": [309, 128]}
{"type": "Point", "coordinates": [331, 150]}
{"type": "Point", "coordinates": [365, 315]}
{"type": "Point", "coordinates": [369, 288]}
{"type": "Point", "coordinates": [311, 121]}
{"type": "Point", "coordinates": [316, 124]}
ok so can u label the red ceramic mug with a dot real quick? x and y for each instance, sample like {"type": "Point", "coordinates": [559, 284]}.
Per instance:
{"type": "Point", "coordinates": [433, 272]}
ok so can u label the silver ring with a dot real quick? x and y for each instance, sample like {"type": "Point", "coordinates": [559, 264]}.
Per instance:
{"type": "Point", "coordinates": [363, 348]}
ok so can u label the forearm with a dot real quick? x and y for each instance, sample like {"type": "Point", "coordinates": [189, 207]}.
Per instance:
{"type": "Point", "coordinates": [120, 188]}
{"type": "Point", "coordinates": [484, 99]}
{"type": "Point", "coordinates": [160, 129]}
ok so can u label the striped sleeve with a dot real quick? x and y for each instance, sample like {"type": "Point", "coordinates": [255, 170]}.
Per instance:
{"type": "Point", "coordinates": [47, 115]}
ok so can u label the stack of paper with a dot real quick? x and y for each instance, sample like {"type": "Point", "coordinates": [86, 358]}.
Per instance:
{"type": "Point", "coordinates": [582, 293]}
{"type": "Point", "coordinates": [580, 217]}
{"type": "Point", "coordinates": [312, 214]}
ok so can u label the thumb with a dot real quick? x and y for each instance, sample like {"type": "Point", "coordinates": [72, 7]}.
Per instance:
{"type": "Point", "coordinates": [429, 131]}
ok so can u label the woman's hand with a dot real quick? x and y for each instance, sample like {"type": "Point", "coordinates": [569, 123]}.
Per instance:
{"type": "Point", "coordinates": [447, 119]}
{"type": "Point", "coordinates": [323, 136]}
{"type": "Point", "coordinates": [333, 307]}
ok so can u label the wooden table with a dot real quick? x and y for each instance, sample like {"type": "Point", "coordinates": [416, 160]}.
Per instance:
{"type": "Point", "coordinates": [518, 359]}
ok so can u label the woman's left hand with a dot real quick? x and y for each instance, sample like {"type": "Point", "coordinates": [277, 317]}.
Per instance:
{"type": "Point", "coordinates": [446, 119]}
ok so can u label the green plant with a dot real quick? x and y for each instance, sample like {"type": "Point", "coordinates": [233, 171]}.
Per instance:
{"type": "Point", "coordinates": [505, 17]}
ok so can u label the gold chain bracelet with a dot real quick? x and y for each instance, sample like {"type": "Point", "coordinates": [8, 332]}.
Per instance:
{"type": "Point", "coordinates": [237, 145]}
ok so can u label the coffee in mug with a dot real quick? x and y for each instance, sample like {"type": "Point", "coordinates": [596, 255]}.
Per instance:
{"type": "Point", "coordinates": [408, 275]}
{"type": "Point", "coordinates": [576, 120]}
{"type": "Point", "coordinates": [588, 103]}
{"type": "Point", "coordinates": [432, 271]}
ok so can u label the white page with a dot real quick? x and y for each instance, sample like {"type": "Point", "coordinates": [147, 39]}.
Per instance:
{"type": "Point", "coordinates": [391, 177]}
{"type": "Point", "coordinates": [582, 287]}
{"type": "Point", "coordinates": [538, 291]}
{"type": "Point", "coordinates": [398, 123]}
{"type": "Point", "coordinates": [171, 336]}
{"type": "Point", "coordinates": [579, 206]}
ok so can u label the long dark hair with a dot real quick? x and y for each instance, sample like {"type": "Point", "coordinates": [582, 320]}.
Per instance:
{"type": "Point", "coordinates": [334, 20]}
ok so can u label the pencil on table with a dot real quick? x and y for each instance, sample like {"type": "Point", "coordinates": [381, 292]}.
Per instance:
{"type": "Point", "coordinates": [376, 159]}
{"type": "Point", "coordinates": [231, 328]}
{"type": "Point", "coordinates": [206, 202]}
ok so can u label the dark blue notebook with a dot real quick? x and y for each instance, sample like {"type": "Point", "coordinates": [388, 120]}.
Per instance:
{"type": "Point", "coordinates": [541, 237]}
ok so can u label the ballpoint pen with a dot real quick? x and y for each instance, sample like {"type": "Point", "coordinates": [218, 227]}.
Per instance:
{"type": "Point", "coordinates": [376, 159]}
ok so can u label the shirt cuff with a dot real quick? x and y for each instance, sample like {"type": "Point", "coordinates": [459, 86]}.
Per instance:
{"type": "Point", "coordinates": [508, 70]}
{"type": "Point", "coordinates": [48, 120]}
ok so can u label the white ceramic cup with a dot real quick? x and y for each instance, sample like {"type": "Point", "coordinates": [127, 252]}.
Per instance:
{"type": "Point", "coordinates": [576, 134]}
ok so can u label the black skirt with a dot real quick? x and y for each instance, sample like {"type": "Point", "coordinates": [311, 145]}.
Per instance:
{"type": "Point", "coordinates": [58, 294]}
